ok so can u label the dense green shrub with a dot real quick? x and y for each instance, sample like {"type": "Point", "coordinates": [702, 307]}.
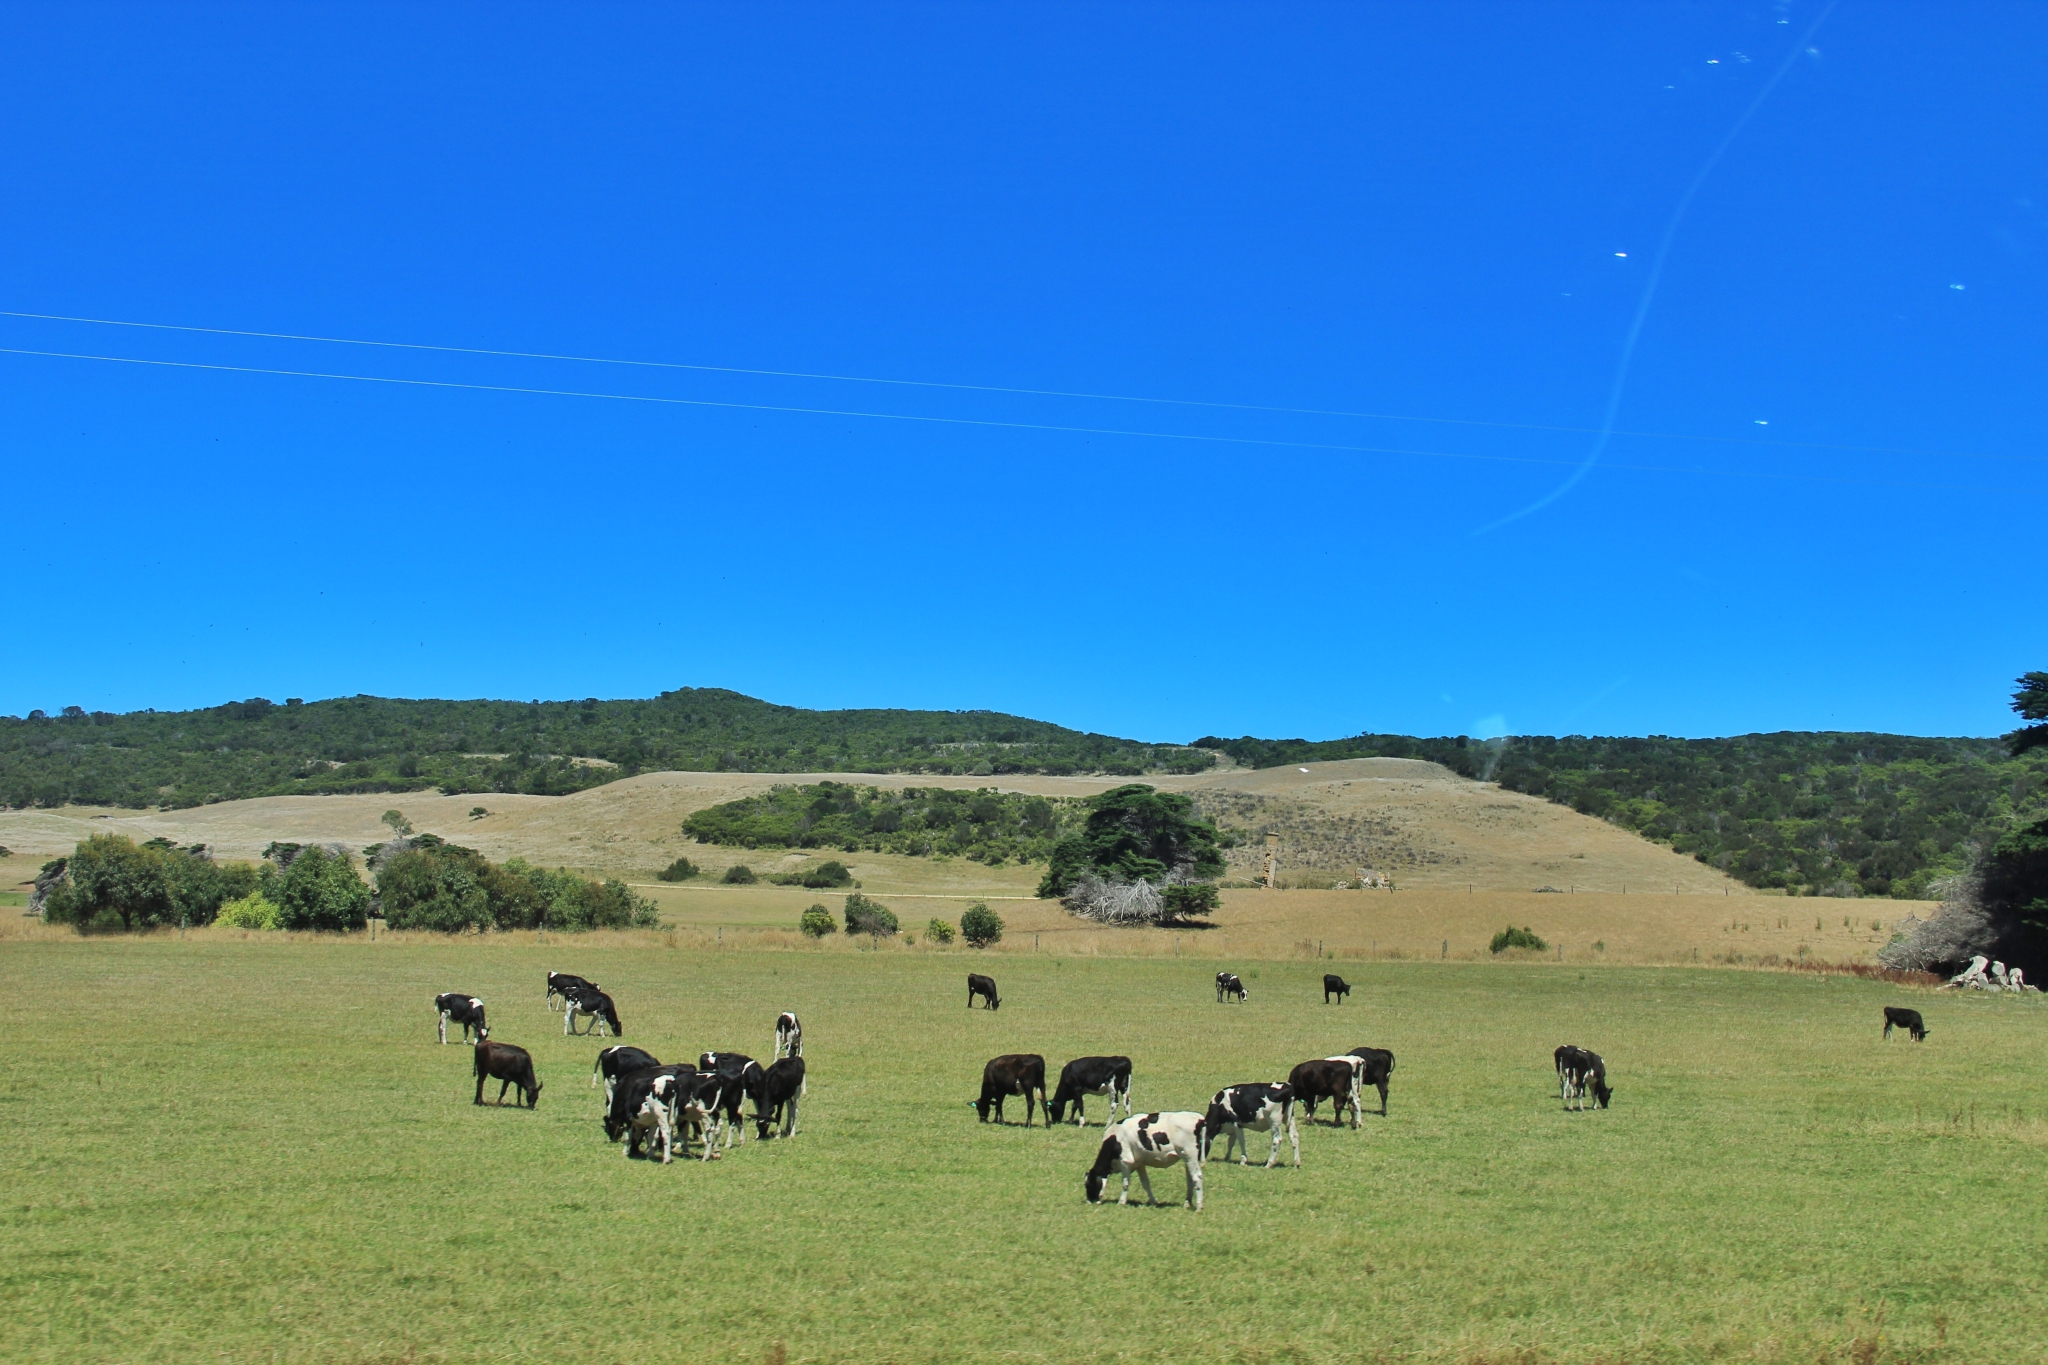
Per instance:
{"type": "Point", "coordinates": [448, 889]}
{"type": "Point", "coordinates": [320, 891]}
{"type": "Point", "coordinates": [987, 825]}
{"type": "Point", "coordinates": [816, 923]}
{"type": "Point", "coordinates": [864, 916]}
{"type": "Point", "coordinates": [1511, 937]}
{"type": "Point", "coordinates": [252, 911]}
{"type": "Point", "coordinates": [824, 877]}
{"type": "Point", "coordinates": [1191, 900]}
{"type": "Point", "coordinates": [681, 870]}
{"type": "Point", "coordinates": [938, 931]}
{"type": "Point", "coordinates": [110, 882]}
{"type": "Point", "coordinates": [739, 874]}
{"type": "Point", "coordinates": [981, 926]}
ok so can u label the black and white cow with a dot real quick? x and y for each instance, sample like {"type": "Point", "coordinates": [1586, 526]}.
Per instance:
{"type": "Point", "coordinates": [1897, 1016]}
{"type": "Point", "coordinates": [1109, 1076]}
{"type": "Point", "coordinates": [1144, 1142]}
{"type": "Point", "coordinates": [1266, 1106]}
{"type": "Point", "coordinates": [1014, 1073]}
{"type": "Point", "coordinates": [712, 1107]}
{"type": "Point", "coordinates": [615, 1062]}
{"type": "Point", "coordinates": [781, 1087]}
{"type": "Point", "coordinates": [1327, 1078]}
{"type": "Point", "coordinates": [561, 983]}
{"type": "Point", "coordinates": [789, 1036]}
{"type": "Point", "coordinates": [1227, 986]}
{"type": "Point", "coordinates": [622, 1096]}
{"type": "Point", "coordinates": [746, 1075]}
{"type": "Point", "coordinates": [457, 1008]}
{"type": "Point", "coordinates": [654, 1111]}
{"type": "Point", "coordinates": [985, 987]}
{"type": "Point", "coordinates": [1580, 1073]}
{"type": "Point", "coordinates": [597, 1007]}
{"type": "Point", "coordinates": [1377, 1071]}
{"type": "Point", "coordinates": [507, 1064]}
{"type": "Point", "coordinates": [1335, 985]}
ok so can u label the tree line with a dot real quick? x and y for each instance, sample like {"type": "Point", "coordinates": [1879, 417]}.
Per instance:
{"type": "Point", "coordinates": [986, 825]}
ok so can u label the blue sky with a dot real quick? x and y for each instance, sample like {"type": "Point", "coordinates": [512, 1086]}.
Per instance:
{"type": "Point", "coordinates": [1821, 507]}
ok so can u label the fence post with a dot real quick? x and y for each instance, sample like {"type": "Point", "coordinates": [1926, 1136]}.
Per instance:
{"type": "Point", "coordinates": [1447, 949]}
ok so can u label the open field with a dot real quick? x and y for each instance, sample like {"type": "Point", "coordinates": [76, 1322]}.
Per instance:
{"type": "Point", "coordinates": [1426, 826]}
{"type": "Point", "coordinates": [254, 1151]}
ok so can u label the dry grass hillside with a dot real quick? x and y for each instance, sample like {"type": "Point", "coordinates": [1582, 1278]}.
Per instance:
{"type": "Point", "coordinates": [1465, 856]}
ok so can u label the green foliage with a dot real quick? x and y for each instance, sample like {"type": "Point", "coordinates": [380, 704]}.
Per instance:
{"type": "Point", "coordinates": [1511, 937]}
{"type": "Point", "coordinates": [739, 874]}
{"type": "Point", "coordinates": [252, 911]}
{"type": "Point", "coordinates": [2015, 877]}
{"type": "Point", "coordinates": [937, 930]}
{"type": "Point", "coordinates": [864, 916]}
{"type": "Point", "coordinates": [981, 926]}
{"type": "Point", "coordinates": [110, 883]}
{"type": "Point", "coordinates": [1135, 833]}
{"type": "Point", "coordinates": [2031, 701]}
{"type": "Point", "coordinates": [477, 812]}
{"type": "Point", "coordinates": [816, 923]}
{"type": "Point", "coordinates": [321, 891]}
{"type": "Point", "coordinates": [1191, 900]}
{"type": "Point", "coordinates": [378, 744]}
{"type": "Point", "coordinates": [681, 870]}
{"type": "Point", "coordinates": [986, 825]}
{"type": "Point", "coordinates": [448, 889]}
{"type": "Point", "coordinates": [824, 876]}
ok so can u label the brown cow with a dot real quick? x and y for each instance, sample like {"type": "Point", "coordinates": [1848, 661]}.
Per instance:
{"type": "Point", "coordinates": [1324, 1078]}
{"type": "Point", "coordinates": [508, 1064]}
{"type": "Point", "coordinates": [1015, 1073]}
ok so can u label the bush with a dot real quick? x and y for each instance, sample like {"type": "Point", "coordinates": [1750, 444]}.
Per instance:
{"type": "Point", "coordinates": [824, 877]}
{"type": "Point", "coordinates": [252, 911]}
{"type": "Point", "coordinates": [816, 923]}
{"type": "Point", "coordinates": [864, 916]}
{"type": "Point", "coordinates": [320, 890]}
{"type": "Point", "coordinates": [938, 931]}
{"type": "Point", "coordinates": [739, 874]}
{"type": "Point", "coordinates": [1511, 937]}
{"type": "Point", "coordinates": [681, 870]}
{"type": "Point", "coordinates": [981, 926]}
{"type": "Point", "coordinates": [110, 883]}
{"type": "Point", "coordinates": [1191, 900]}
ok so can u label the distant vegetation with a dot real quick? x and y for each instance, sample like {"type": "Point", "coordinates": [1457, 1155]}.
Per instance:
{"type": "Point", "coordinates": [1822, 813]}
{"type": "Point", "coordinates": [378, 744]}
{"type": "Point", "coordinates": [987, 825]}
{"type": "Point", "coordinates": [438, 886]}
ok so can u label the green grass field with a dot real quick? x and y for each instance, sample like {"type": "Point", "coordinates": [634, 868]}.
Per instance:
{"type": "Point", "coordinates": [255, 1151]}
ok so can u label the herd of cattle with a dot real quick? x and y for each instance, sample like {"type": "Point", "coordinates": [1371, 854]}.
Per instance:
{"type": "Point", "coordinates": [660, 1107]}
{"type": "Point", "coordinates": [646, 1103]}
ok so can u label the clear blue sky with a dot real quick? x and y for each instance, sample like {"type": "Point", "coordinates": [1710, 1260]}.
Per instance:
{"type": "Point", "coordinates": [1443, 215]}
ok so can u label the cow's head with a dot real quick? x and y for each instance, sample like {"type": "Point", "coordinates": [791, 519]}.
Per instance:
{"type": "Point", "coordinates": [1602, 1092]}
{"type": "Point", "coordinates": [482, 1032]}
{"type": "Point", "coordinates": [1106, 1157]}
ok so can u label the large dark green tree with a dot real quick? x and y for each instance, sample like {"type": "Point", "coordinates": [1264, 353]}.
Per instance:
{"type": "Point", "coordinates": [1136, 833]}
{"type": "Point", "coordinates": [110, 878]}
{"type": "Point", "coordinates": [2031, 701]}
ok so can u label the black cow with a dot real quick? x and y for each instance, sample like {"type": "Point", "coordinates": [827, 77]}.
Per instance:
{"type": "Point", "coordinates": [712, 1107]}
{"type": "Point", "coordinates": [1109, 1076]}
{"type": "Point", "coordinates": [615, 1062]}
{"type": "Point", "coordinates": [654, 1110]}
{"type": "Point", "coordinates": [598, 1006]}
{"type": "Point", "coordinates": [983, 986]}
{"type": "Point", "coordinates": [458, 1008]}
{"type": "Point", "coordinates": [510, 1065]}
{"type": "Point", "coordinates": [1580, 1073]}
{"type": "Point", "coordinates": [781, 1087]}
{"type": "Point", "coordinates": [1896, 1016]}
{"type": "Point", "coordinates": [1014, 1073]}
{"type": "Point", "coordinates": [561, 983]}
{"type": "Point", "coordinates": [746, 1076]}
{"type": "Point", "coordinates": [1261, 1107]}
{"type": "Point", "coordinates": [1228, 985]}
{"type": "Point", "coordinates": [1326, 1079]}
{"type": "Point", "coordinates": [1335, 985]}
{"type": "Point", "coordinates": [1377, 1071]}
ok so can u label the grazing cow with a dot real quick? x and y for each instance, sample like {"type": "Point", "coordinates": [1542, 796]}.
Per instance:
{"type": "Point", "coordinates": [598, 1006]}
{"type": "Point", "coordinates": [713, 1108]}
{"type": "Point", "coordinates": [789, 1036]}
{"type": "Point", "coordinates": [507, 1064]}
{"type": "Point", "coordinates": [1335, 985]}
{"type": "Point", "coordinates": [1334, 1080]}
{"type": "Point", "coordinates": [1144, 1142]}
{"type": "Point", "coordinates": [1896, 1016]}
{"type": "Point", "coordinates": [615, 1062]}
{"type": "Point", "coordinates": [983, 986]}
{"type": "Point", "coordinates": [1580, 1073]}
{"type": "Point", "coordinates": [781, 1087]}
{"type": "Point", "coordinates": [1109, 1076]}
{"type": "Point", "coordinates": [1261, 1108]}
{"type": "Point", "coordinates": [746, 1077]}
{"type": "Point", "coordinates": [561, 983]}
{"type": "Point", "coordinates": [1377, 1071]}
{"type": "Point", "coordinates": [1228, 985]}
{"type": "Point", "coordinates": [457, 1008]}
{"type": "Point", "coordinates": [622, 1101]}
{"type": "Point", "coordinates": [654, 1102]}
{"type": "Point", "coordinates": [1014, 1073]}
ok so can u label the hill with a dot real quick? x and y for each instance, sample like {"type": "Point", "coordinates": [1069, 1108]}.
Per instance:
{"type": "Point", "coordinates": [385, 744]}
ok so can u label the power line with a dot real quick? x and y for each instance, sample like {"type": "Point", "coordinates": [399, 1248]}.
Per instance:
{"type": "Point", "coordinates": [1005, 389]}
{"type": "Point", "coordinates": [986, 422]}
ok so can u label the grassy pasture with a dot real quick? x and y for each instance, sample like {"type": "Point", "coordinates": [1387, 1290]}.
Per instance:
{"type": "Point", "coordinates": [254, 1151]}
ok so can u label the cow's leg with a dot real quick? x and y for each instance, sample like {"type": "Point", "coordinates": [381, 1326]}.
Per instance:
{"type": "Point", "coordinates": [1195, 1180]}
{"type": "Point", "coordinates": [444, 1028]}
{"type": "Point", "coordinates": [503, 1086]}
{"type": "Point", "coordinates": [1145, 1179]}
{"type": "Point", "coordinates": [479, 1085]}
{"type": "Point", "coordinates": [1383, 1099]}
{"type": "Point", "coordinates": [1293, 1134]}
{"type": "Point", "coordinates": [1125, 1197]}
{"type": "Point", "coordinates": [1273, 1152]}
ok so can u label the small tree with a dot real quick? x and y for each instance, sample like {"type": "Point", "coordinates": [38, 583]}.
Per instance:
{"type": "Point", "coordinates": [873, 918]}
{"type": "Point", "coordinates": [250, 912]}
{"type": "Point", "coordinates": [681, 870]}
{"type": "Point", "coordinates": [321, 890]}
{"type": "Point", "coordinates": [739, 874]}
{"type": "Point", "coordinates": [477, 812]}
{"type": "Point", "coordinates": [816, 923]}
{"type": "Point", "coordinates": [981, 926]}
{"type": "Point", "coordinates": [1511, 937]}
{"type": "Point", "coordinates": [1191, 900]}
{"type": "Point", "coordinates": [938, 931]}
{"type": "Point", "coordinates": [400, 827]}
